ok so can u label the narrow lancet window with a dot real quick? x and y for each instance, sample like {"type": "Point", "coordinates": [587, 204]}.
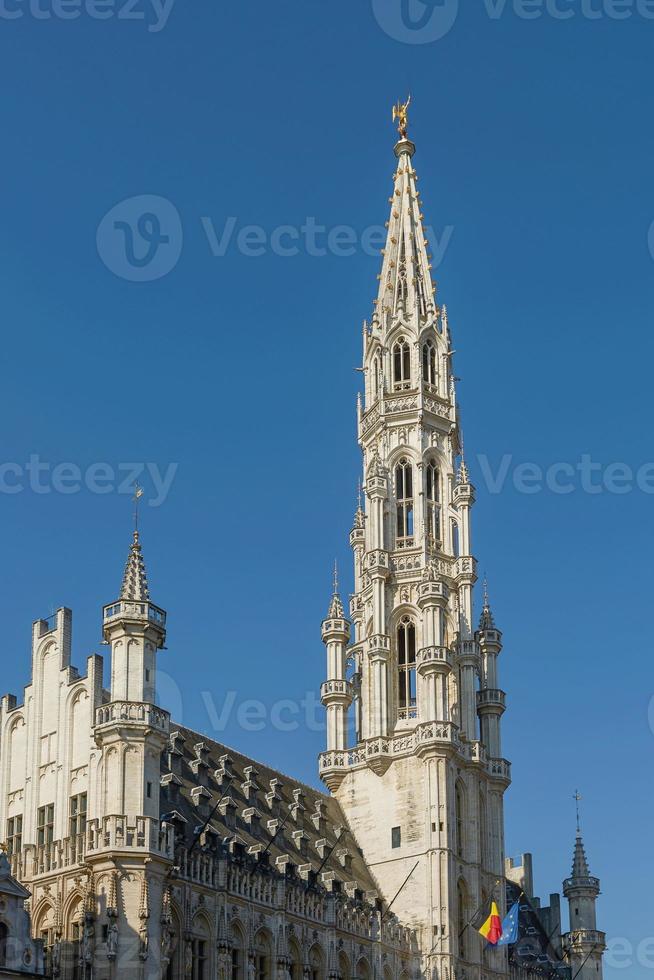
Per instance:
{"type": "Point", "coordinates": [402, 364]}
{"type": "Point", "coordinates": [406, 659]}
{"type": "Point", "coordinates": [429, 373]}
{"type": "Point", "coordinates": [433, 503]}
{"type": "Point", "coordinates": [404, 503]}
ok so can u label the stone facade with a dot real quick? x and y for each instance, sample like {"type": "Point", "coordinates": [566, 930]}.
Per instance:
{"type": "Point", "coordinates": [154, 853]}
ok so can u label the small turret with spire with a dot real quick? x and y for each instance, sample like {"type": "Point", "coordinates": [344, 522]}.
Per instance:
{"type": "Point", "coordinates": [583, 945]}
{"type": "Point", "coordinates": [336, 692]}
{"type": "Point", "coordinates": [135, 628]}
{"type": "Point", "coordinates": [491, 701]}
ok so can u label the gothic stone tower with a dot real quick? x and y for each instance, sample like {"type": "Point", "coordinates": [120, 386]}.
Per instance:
{"type": "Point", "coordinates": [423, 785]}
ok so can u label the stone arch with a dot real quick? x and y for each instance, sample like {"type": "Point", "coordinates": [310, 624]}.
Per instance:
{"type": "Point", "coordinates": [344, 965]}
{"type": "Point", "coordinates": [363, 969]}
{"type": "Point", "coordinates": [239, 950]}
{"type": "Point", "coordinates": [317, 962]}
{"type": "Point", "coordinates": [263, 955]}
{"type": "Point", "coordinates": [201, 946]}
{"type": "Point", "coordinates": [295, 958]}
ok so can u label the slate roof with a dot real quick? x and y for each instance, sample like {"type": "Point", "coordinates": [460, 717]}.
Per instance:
{"type": "Point", "coordinates": [257, 803]}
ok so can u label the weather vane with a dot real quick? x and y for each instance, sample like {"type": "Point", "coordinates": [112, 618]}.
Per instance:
{"type": "Point", "coordinates": [138, 493]}
{"type": "Point", "coordinates": [401, 113]}
{"type": "Point", "coordinates": [578, 798]}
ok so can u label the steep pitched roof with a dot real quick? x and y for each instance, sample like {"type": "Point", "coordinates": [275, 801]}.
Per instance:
{"type": "Point", "coordinates": [259, 802]}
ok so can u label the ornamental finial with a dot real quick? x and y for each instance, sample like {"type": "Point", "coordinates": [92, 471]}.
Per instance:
{"type": "Point", "coordinates": [578, 798]}
{"type": "Point", "coordinates": [401, 113]}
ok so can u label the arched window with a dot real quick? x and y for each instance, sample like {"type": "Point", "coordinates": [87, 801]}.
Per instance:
{"type": "Point", "coordinates": [406, 660]}
{"type": "Point", "coordinates": [295, 956]}
{"type": "Point", "coordinates": [462, 918]}
{"type": "Point", "coordinates": [433, 502]}
{"type": "Point", "coordinates": [460, 805]}
{"type": "Point", "coordinates": [201, 949]}
{"type": "Point", "coordinates": [363, 969]}
{"type": "Point", "coordinates": [429, 373]}
{"type": "Point", "coordinates": [238, 956]}
{"type": "Point", "coordinates": [343, 966]}
{"type": "Point", "coordinates": [316, 963]}
{"type": "Point", "coordinates": [262, 957]}
{"type": "Point", "coordinates": [404, 499]}
{"type": "Point", "coordinates": [4, 935]}
{"type": "Point", "coordinates": [402, 364]}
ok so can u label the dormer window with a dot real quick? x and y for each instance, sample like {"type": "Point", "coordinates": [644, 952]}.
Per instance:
{"type": "Point", "coordinates": [402, 365]}
{"type": "Point", "coordinates": [404, 503]}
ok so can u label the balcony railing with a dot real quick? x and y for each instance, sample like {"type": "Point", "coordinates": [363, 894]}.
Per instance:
{"type": "Point", "coordinates": [129, 609]}
{"type": "Point", "coordinates": [118, 833]}
{"type": "Point", "coordinates": [330, 688]}
{"type": "Point", "coordinates": [491, 698]}
{"type": "Point", "coordinates": [134, 712]}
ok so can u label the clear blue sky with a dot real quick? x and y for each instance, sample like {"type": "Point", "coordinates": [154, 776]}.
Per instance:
{"type": "Point", "coordinates": [535, 150]}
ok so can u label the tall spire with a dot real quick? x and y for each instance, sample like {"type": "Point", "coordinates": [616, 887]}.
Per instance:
{"type": "Point", "coordinates": [580, 867]}
{"type": "Point", "coordinates": [405, 281]}
{"type": "Point", "coordinates": [135, 579]}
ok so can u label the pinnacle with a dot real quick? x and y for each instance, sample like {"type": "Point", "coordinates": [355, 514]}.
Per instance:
{"type": "Point", "coordinates": [336, 610]}
{"type": "Point", "coordinates": [487, 621]}
{"type": "Point", "coordinates": [135, 580]}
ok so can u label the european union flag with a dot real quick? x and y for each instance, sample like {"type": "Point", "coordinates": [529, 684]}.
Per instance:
{"type": "Point", "coordinates": [510, 927]}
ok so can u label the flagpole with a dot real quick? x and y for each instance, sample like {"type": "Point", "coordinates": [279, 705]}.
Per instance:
{"type": "Point", "coordinates": [399, 890]}
{"type": "Point", "coordinates": [478, 910]}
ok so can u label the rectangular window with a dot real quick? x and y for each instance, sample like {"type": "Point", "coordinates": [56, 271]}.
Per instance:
{"type": "Point", "coordinates": [45, 826]}
{"type": "Point", "coordinates": [77, 822]}
{"type": "Point", "coordinates": [14, 835]}
{"type": "Point", "coordinates": [396, 837]}
{"type": "Point", "coordinates": [149, 790]}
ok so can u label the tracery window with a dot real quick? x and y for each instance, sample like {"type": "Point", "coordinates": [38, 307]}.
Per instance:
{"type": "Point", "coordinates": [406, 663]}
{"type": "Point", "coordinates": [404, 503]}
{"type": "Point", "coordinates": [402, 364]}
{"type": "Point", "coordinates": [433, 502]}
{"type": "Point", "coordinates": [429, 372]}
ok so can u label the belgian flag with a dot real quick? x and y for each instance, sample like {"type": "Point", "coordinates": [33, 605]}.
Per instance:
{"type": "Point", "coordinates": [488, 922]}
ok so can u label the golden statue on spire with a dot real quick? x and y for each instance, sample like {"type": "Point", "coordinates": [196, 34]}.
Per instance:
{"type": "Point", "coordinates": [401, 113]}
